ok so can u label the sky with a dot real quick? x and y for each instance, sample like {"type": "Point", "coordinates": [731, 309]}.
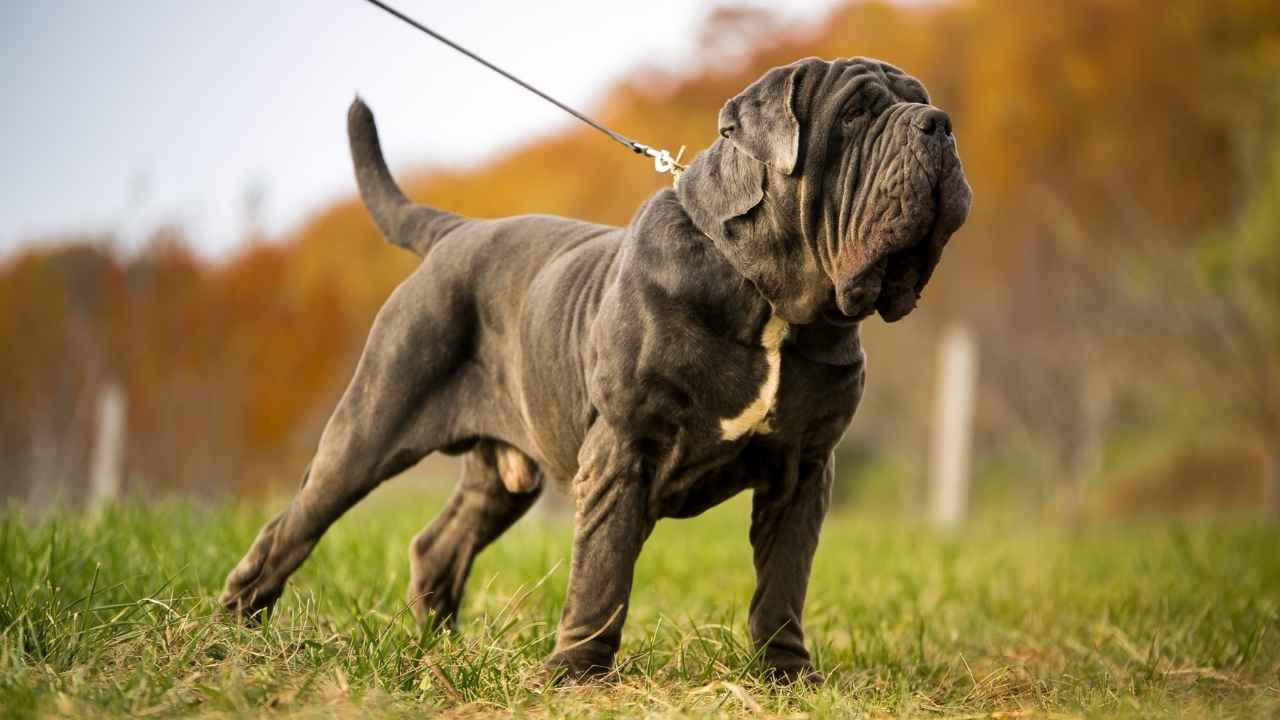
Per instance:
{"type": "Point", "coordinates": [126, 115]}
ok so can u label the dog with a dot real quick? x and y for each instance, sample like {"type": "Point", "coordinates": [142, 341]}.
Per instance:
{"type": "Point", "coordinates": [709, 347]}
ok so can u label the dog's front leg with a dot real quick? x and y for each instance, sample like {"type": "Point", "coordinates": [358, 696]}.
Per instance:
{"type": "Point", "coordinates": [786, 518]}
{"type": "Point", "coordinates": [611, 522]}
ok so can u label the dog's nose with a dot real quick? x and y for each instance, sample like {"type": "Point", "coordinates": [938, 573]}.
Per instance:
{"type": "Point", "coordinates": [933, 120]}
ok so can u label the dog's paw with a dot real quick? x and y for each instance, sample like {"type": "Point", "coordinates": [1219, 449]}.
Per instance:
{"type": "Point", "coordinates": [247, 608]}
{"type": "Point", "coordinates": [576, 668]}
{"type": "Point", "coordinates": [246, 601]}
{"type": "Point", "coordinates": [252, 587]}
{"type": "Point", "coordinates": [785, 673]}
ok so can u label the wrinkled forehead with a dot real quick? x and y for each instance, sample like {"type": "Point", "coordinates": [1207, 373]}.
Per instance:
{"type": "Point", "coordinates": [828, 85]}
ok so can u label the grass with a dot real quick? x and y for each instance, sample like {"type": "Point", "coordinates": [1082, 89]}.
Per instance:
{"type": "Point", "coordinates": [115, 617]}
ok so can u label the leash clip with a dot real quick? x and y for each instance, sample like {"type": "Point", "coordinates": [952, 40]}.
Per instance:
{"type": "Point", "coordinates": [663, 162]}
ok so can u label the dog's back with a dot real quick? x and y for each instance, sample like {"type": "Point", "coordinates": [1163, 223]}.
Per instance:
{"type": "Point", "coordinates": [511, 279]}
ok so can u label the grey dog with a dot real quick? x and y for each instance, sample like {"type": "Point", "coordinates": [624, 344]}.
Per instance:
{"type": "Point", "coordinates": [709, 347]}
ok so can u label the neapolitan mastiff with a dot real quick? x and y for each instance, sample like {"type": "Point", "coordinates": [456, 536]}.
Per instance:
{"type": "Point", "coordinates": [655, 370]}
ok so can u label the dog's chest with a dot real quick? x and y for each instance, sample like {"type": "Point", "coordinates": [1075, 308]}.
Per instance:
{"type": "Point", "coordinates": [814, 381]}
{"type": "Point", "coordinates": [756, 417]}
{"type": "Point", "coordinates": [801, 409]}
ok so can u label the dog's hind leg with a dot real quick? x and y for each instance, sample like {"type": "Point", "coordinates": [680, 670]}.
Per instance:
{"type": "Point", "coordinates": [394, 412]}
{"type": "Point", "coordinates": [498, 485]}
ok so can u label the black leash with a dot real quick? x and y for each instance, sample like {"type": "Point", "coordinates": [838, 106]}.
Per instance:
{"type": "Point", "coordinates": [662, 160]}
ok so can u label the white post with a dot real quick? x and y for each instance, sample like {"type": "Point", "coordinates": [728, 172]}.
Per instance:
{"type": "Point", "coordinates": [108, 447]}
{"type": "Point", "coordinates": [952, 427]}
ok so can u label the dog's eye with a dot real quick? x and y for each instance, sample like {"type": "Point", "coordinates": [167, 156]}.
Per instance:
{"type": "Point", "coordinates": [854, 114]}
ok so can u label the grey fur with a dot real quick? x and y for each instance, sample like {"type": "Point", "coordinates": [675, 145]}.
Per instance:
{"type": "Point", "coordinates": [615, 361]}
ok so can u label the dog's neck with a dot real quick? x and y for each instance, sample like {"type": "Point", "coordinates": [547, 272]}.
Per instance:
{"type": "Point", "coordinates": [724, 193]}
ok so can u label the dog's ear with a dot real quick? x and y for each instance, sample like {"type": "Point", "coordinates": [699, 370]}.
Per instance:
{"type": "Point", "coordinates": [726, 183]}
{"type": "Point", "coordinates": [761, 120]}
{"type": "Point", "coordinates": [722, 183]}
{"type": "Point", "coordinates": [758, 129]}
{"type": "Point", "coordinates": [722, 191]}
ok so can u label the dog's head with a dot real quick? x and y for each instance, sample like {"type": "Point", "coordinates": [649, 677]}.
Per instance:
{"type": "Point", "coordinates": [833, 188]}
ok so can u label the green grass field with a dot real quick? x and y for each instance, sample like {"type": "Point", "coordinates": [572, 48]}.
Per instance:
{"type": "Point", "coordinates": [115, 617]}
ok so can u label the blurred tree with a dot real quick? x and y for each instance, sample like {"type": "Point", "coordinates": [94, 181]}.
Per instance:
{"type": "Point", "coordinates": [1120, 260]}
{"type": "Point", "coordinates": [1241, 267]}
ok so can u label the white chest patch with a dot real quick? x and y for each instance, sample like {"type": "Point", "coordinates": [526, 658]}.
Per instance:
{"type": "Point", "coordinates": [754, 418]}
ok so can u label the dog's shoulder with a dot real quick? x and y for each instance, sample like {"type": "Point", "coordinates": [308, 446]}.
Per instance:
{"type": "Point", "coordinates": [667, 263]}
{"type": "Point", "coordinates": [676, 341]}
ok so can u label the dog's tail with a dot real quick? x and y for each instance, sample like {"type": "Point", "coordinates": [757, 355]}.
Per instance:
{"type": "Point", "coordinates": [404, 223]}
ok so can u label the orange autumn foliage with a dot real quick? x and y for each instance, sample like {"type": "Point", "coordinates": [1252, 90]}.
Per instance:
{"type": "Point", "coordinates": [1100, 120]}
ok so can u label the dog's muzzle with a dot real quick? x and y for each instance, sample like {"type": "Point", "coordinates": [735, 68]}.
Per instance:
{"type": "Point", "coordinates": [902, 256]}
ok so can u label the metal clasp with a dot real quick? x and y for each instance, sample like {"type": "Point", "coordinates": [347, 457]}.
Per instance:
{"type": "Point", "coordinates": [663, 162]}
